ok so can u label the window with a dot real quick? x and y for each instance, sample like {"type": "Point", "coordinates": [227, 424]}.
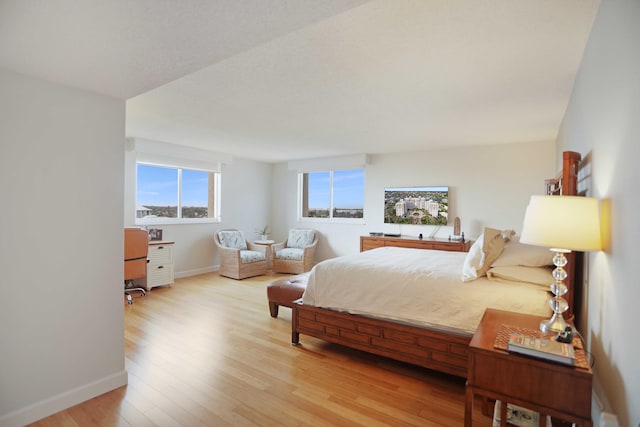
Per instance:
{"type": "Point", "coordinates": [166, 194]}
{"type": "Point", "coordinates": [332, 194]}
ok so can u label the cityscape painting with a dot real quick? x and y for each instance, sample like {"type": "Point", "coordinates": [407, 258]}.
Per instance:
{"type": "Point", "coordinates": [416, 205]}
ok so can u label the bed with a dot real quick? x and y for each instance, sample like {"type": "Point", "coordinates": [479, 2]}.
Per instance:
{"type": "Point", "coordinates": [404, 329]}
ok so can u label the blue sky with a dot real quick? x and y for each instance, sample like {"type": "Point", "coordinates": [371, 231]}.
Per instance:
{"type": "Point", "coordinates": [158, 186]}
{"type": "Point", "coordinates": [348, 189]}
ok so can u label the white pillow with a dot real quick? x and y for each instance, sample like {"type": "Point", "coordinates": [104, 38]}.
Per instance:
{"type": "Point", "coordinates": [517, 273]}
{"type": "Point", "coordinates": [516, 253]}
{"type": "Point", "coordinates": [473, 261]}
{"type": "Point", "coordinates": [481, 254]}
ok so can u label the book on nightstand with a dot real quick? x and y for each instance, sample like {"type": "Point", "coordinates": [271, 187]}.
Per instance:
{"type": "Point", "coordinates": [544, 348]}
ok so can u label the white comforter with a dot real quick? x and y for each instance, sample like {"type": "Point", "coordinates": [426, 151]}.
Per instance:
{"type": "Point", "coordinates": [417, 286]}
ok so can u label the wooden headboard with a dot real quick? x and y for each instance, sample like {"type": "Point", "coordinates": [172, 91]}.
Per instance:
{"type": "Point", "coordinates": [566, 183]}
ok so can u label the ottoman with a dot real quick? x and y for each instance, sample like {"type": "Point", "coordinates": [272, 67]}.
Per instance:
{"type": "Point", "coordinates": [285, 291]}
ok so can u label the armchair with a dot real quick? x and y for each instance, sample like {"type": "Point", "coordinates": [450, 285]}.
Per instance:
{"type": "Point", "coordinates": [239, 259]}
{"type": "Point", "coordinates": [296, 254]}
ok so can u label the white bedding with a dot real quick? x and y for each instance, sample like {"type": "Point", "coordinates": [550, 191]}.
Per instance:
{"type": "Point", "coordinates": [416, 286]}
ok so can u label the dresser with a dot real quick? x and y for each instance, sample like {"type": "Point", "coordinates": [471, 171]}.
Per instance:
{"type": "Point", "coordinates": [160, 265]}
{"type": "Point", "coordinates": [372, 242]}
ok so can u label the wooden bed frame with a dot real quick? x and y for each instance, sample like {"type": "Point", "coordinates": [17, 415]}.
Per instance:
{"type": "Point", "coordinates": [432, 348]}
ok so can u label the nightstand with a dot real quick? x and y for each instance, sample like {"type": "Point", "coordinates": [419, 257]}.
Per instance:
{"type": "Point", "coordinates": [554, 389]}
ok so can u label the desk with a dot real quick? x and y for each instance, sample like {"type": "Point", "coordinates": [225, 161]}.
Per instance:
{"type": "Point", "coordinates": [160, 263]}
{"type": "Point", "coordinates": [268, 244]}
{"type": "Point", "coordinates": [561, 391]}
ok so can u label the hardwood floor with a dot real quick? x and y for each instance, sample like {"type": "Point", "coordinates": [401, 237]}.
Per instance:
{"type": "Point", "coordinates": [205, 352]}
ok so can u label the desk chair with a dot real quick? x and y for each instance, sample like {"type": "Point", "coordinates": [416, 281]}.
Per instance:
{"type": "Point", "coordinates": [136, 248]}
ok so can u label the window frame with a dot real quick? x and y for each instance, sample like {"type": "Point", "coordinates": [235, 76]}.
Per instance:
{"type": "Point", "coordinates": [216, 218]}
{"type": "Point", "coordinates": [331, 218]}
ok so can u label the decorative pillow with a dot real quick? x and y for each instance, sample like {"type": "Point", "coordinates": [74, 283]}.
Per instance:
{"type": "Point", "coordinates": [232, 239]}
{"type": "Point", "coordinates": [300, 238]}
{"type": "Point", "coordinates": [516, 253]}
{"type": "Point", "coordinates": [491, 248]}
{"type": "Point", "coordinates": [517, 273]}
{"type": "Point", "coordinates": [482, 253]}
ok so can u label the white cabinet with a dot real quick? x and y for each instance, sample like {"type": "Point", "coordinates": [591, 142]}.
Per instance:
{"type": "Point", "coordinates": [160, 266]}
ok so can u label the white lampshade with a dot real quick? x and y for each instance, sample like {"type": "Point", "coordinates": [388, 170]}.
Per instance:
{"type": "Point", "coordinates": [565, 222]}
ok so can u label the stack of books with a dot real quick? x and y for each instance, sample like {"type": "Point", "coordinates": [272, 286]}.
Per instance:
{"type": "Point", "coordinates": [544, 348]}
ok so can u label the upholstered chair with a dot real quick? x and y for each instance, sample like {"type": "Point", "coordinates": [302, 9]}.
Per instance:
{"type": "Point", "coordinates": [296, 254]}
{"type": "Point", "coordinates": [239, 259]}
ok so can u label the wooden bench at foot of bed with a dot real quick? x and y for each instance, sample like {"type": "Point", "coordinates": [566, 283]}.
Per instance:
{"type": "Point", "coordinates": [429, 348]}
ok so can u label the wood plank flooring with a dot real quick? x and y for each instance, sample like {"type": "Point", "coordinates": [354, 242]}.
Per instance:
{"type": "Point", "coordinates": [205, 352]}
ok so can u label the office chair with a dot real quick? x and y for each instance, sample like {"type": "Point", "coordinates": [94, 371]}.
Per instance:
{"type": "Point", "coordinates": [136, 248]}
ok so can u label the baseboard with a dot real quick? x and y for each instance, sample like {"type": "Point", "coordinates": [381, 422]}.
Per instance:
{"type": "Point", "coordinates": [189, 273]}
{"type": "Point", "coordinates": [63, 401]}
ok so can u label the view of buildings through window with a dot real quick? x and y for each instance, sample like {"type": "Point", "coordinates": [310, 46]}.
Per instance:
{"type": "Point", "coordinates": [172, 192]}
{"type": "Point", "coordinates": [333, 194]}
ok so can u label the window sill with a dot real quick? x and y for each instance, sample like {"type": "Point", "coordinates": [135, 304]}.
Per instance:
{"type": "Point", "coordinates": [176, 221]}
{"type": "Point", "coordinates": [357, 221]}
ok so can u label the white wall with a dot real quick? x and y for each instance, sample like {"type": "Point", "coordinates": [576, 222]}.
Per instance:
{"type": "Point", "coordinates": [489, 186]}
{"type": "Point", "coordinates": [245, 204]}
{"type": "Point", "coordinates": [61, 311]}
{"type": "Point", "coordinates": [603, 121]}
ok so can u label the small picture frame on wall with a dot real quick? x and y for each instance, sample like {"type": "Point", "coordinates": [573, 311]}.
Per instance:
{"type": "Point", "coordinates": [155, 234]}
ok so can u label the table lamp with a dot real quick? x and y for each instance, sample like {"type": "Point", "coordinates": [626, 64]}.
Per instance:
{"type": "Point", "coordinates": [564, 224]}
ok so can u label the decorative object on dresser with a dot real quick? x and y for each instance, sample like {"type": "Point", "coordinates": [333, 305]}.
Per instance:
{"type": "Point", "coordinates": [160, 266]}
{"type": "Point", "coordinates": [565, 224]}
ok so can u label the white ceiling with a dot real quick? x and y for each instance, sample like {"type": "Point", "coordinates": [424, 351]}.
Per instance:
{"type": "Point", "coordinates": [277, 80]}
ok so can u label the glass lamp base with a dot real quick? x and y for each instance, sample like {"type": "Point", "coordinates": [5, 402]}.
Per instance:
{"type": "Point", "coordinates": [553, 325]}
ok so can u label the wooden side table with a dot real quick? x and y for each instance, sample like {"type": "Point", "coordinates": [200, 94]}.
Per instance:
{"type": "Point", "coordinates": [561, 391]}
{"type": "Point", "coordinates": [269, 245]}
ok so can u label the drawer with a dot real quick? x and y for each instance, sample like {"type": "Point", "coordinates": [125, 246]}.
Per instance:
{"type": "Point", "coordinates": [367, 244]}
{"type": "Point", "coordinates": [417, 244]}
{"type": "Point", "coordinates": [459, 247]}
{"type": "Point", "coordinates": [159, 275]}
{"type": "Point", "coordinates": [160, 254]}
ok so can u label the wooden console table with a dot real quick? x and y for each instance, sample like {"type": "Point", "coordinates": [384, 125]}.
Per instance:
{"type": "Point", "coordinates": [372, 242]}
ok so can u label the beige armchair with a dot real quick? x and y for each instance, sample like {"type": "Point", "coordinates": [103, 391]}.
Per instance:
{"type": "Point", "coordinates": [239, 259]}
{"type": "Point", "coordinates": [296, 254]}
